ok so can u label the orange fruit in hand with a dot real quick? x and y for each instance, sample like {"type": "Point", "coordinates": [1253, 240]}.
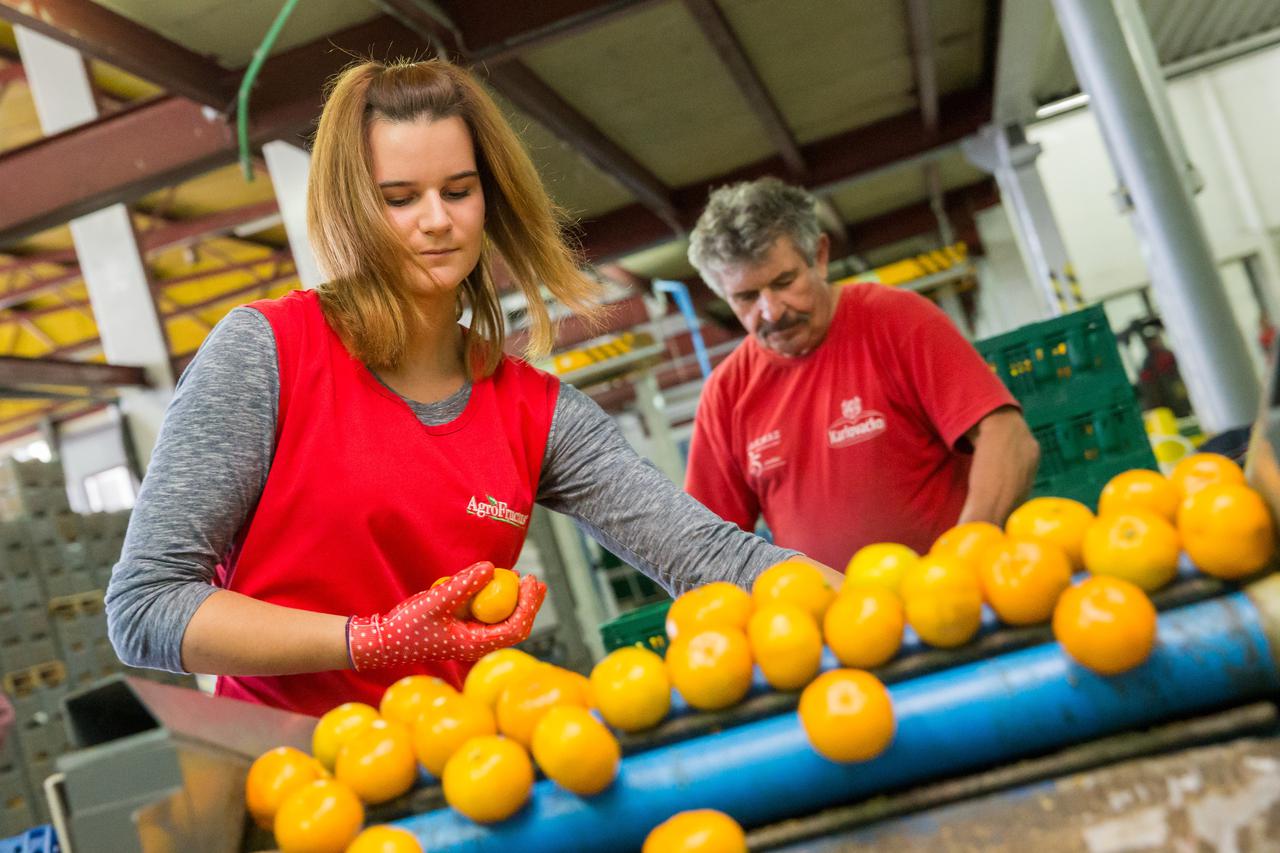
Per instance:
{"type": "Point", "coordinates": [378, 763]}
{"type": "Point", "coordinates": [529, 696]}
{"type": "Point", "coordinates": [576, 751]}
{"type": "Point", "coordinates": [881, 564]}
{"type": "Point", "coordinates": [496, 600]}
{"type": "Point", "coordinates": [715, 605]}
{"type": "Point", "coordinates": [631, 688]}
{"type": "Point", "coordinates": [786, 644]}
{"type": "Point", "coordinates": [712, 669]}
{"type": "Point", "coordinates": [942, 599]}
{"type": "Point", "coordinates": [1140, 489]}
{"type": "Point", "coordinates": [320, 817]}
{"type": "Point", "coordinates": [1227, 530]}
{"type": "Point", "coordinates": [1061, 521]}
{"type": "Point", "coordinates": [968, 541]}
{"type": "Point", "coordinates": [273, 776]}
{"type": "Point", "coordinates": [847, 715]}
{"type": "Point", "coordinates": [1194, 472]}
{"type": "Point", "coordinates": [795, 582]}
{"type": "Point", "coordinates": [336, 727]}
{"type": "Point", "coordinates": [697, 831]}
{"type": "Point", "coordinates": [488, 779]}
{"type": "Point", "coordinates": [1136, 545]}
{"type": "Point", "coordinates": [1105, 624]}
{"type": "Point", "coordinates": [863, 626]}
{"type": "Point", "coordinates": [1022, 579]}
{"type": "Point", "coordinates": [385, 839]}
{"type": "Point", "coordinates": [442, 729]}
{"type": "Point", "coordinates": [487, 679]}
{"type": "Point", "coordinates": [403, 701]}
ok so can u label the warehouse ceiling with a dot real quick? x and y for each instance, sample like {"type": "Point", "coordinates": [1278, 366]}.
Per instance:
{"type": "Point", "coordinates": [632, 110]}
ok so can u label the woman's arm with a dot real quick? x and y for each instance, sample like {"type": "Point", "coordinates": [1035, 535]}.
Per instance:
{"type": "Point", "coordinates": [592, 474]}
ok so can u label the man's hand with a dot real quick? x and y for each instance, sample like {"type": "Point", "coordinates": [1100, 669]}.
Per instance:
{"type": "Point", "coordinates": [424, 626]}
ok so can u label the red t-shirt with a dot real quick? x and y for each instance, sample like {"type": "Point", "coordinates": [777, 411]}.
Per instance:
{"type": "Point", "coordinates": [859, 441]}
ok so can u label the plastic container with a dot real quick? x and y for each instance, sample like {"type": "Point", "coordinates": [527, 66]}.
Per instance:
{"type": "Point", "coordinates": [645, 627]}
{"type": "Point", "coordinates": [38, 840]}
{"type": "Point", "coordinates": [1051, 363]}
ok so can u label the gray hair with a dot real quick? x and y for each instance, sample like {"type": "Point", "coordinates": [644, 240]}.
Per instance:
{"type": "Point", "coordinates": [742, 221]}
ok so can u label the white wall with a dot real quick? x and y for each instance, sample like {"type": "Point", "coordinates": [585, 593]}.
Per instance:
{"type": "Point", "coordinates": [1100, 239]}
{"type": "Point", "coordinates": [87, 446]}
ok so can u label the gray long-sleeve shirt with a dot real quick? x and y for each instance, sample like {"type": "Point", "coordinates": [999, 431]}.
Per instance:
{"type": "Point", "coordinates": [214, 452]}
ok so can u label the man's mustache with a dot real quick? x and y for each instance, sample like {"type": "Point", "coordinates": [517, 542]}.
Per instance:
{"type": "Point", "coordinates": [786, 321]}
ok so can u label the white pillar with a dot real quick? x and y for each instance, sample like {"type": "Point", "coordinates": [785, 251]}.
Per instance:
{"type": "Point", "coordinates": [289, 166]}
{"type": "Point", "coordinates": [106, 246]}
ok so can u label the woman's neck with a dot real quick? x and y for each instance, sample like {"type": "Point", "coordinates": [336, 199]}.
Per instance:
{"type": "Point", "coordinates": [434, 363]}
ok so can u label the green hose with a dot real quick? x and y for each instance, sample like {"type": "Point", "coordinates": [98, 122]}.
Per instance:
{"type": "Point", "coordinates": [246, 85]}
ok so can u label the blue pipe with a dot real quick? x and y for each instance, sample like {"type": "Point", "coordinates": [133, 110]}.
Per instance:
{"type": "Point", "coordinates": [684, 302]}
{"type": "Point", "coordinates": [981, 714]}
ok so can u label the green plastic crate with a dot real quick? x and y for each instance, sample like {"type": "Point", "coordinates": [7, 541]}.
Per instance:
{"type": "Point", "coordinates": [1055, 362]}
{"type": "Point", "coordinates": [645, 627]}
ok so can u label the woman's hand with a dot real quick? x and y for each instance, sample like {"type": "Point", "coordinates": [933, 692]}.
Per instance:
{"type": "Point", "coordinates": [424, 626]}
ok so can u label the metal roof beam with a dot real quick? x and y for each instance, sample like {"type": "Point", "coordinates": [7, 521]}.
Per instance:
{"type": "Point", "coordinates": [711, 20]}
{"type": "Point", "coordinates": [98, 33]}
{"type": "Point", "coordinates": [497, 30]}
{"type": "Point", "coordinates": [16, 372]}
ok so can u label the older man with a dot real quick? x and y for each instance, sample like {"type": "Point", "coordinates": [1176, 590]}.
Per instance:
{"type": "Point", "coordinates": [850, 415]}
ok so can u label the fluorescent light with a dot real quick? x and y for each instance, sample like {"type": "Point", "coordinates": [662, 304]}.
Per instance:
{"type": "Point", "coordinates": [1080, 99]}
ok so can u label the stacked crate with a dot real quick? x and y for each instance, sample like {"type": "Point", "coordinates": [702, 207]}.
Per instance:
{"type": "Point", "coordinates": [54, 568]}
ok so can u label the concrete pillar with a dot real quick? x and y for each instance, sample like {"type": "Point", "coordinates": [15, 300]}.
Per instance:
{"type": "Point", "coordinates": [1006, 154]}
{"type": "Point", "coordinates": [1212, 354]}
{"type": "Point", "coordinates": [106, 246]}
{"type": "Point", "coordinates": [289, 166]}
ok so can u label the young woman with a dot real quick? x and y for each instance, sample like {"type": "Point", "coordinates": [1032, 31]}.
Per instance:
{"type": "Point", "coordinates": [330, 454]}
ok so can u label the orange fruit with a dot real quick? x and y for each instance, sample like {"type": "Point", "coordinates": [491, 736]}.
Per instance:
{"type": "Point", "coordinates": [1194, 472]}
{"type": "Point", "coordinates": [786, 644]}
{"type": "Point", "coordinates": [881, 564]}
{"type": "Point", "coordinates": [795, 582]}
{"type": "Point", "coordinates": [320, 817]}
{"type": "Point", "coordinates": [336, 727]}
{"type": "Point", "coordinates": [378, 763]}
{"type": "Point", "coordinates": [385, 839]}
{"type": "Point", "coordinates": [1106, 624]}
{"type": "Point", "coordinates": [863, 626]}
{"type": "Point", "coordinates": [697, 831]}
{"type": "Point", "coordinates": [1140, 489]}
{"type": "Point", "coordinates": [1227, 530]}
{"type": "Point", "coordinates": [968, 541]}
{"type": "Point", "coordinates": [1136, 545]}
{"type": "Point", "coordinates": [488, 779]}
{"type": "Point", "coordinates": [576, 751]}
{"type": "Point", "coordinates": [715, 605]}
{"type": "Point", "coordinates": [497, 599]}
{"type": "Point", "coordinates": [1061, 521]}
{"type": "Point", "coordinates": [631, 688]}
{"type": "Point", "coordinates": [273, 776]}
{"type": "Point", "coordinates": [403, 701]}
{"type": "Point", "coordinates": [712, 669]}
{"type": "Point", "coordinates": [1022, 579]}
{"type": "Point", "coordinates": [532, 694]}
{"type": "Point", "coordinates": [942, 599]}
{"type": "Point", "coordinates": [443, 728]}
{"type": "Point", "coordinates": [847, 715]}
{"type": "Point", "coordinates": [490, 675]}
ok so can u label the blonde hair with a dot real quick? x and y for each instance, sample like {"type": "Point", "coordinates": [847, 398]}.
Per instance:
{"type": "Point", "coordinates": [366, 298]}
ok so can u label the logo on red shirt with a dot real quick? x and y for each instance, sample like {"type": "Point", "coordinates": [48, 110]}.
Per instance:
{"type": "Point", "coordinates": [498, 510]}
{"type": "Point", "coordinates": [762, 453]}
{"type": "Point", "coordinates": [854, 424]}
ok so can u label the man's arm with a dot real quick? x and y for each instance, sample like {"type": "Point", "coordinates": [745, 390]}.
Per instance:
{"type": "Point", "coordinates": [1005, 456]}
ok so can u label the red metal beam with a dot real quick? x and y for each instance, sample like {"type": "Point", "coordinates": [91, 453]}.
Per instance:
{"type": "Point", "coordinates": [836, 160]}
{"type": "Point", "coordinates": [711, 20]}
{"type": "Point", "coordinates": [16, 372]}
{"type": "Point", "coordinates": [496, 30]}
{"type": "Point", "coordinates": [99, 33]}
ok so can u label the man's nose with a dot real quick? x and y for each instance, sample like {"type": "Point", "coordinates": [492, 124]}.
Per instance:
{"type": "Point", "coordinates": [770, 306]}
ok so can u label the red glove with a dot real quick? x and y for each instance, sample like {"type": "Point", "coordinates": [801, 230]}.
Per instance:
{"type": "Point", "coordinates": [424, 626]}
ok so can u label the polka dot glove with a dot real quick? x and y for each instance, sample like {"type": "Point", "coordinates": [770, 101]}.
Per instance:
{"type": "Point", "coordinates": [424, 626]}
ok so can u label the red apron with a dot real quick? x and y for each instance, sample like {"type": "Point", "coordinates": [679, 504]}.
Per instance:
{"type": "Point", "coordinates": [364, 505]}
